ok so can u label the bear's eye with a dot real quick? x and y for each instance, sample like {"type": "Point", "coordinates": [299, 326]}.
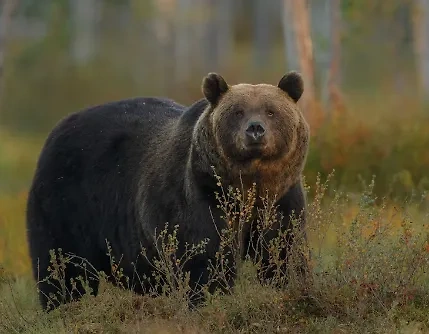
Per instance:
{"type": "Point", "coordinates": [270, 113]}
{"type": "Point", "coordinates": [239, 112]}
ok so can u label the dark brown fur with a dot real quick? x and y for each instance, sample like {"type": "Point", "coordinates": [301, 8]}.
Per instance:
{"type": "Point", "coordinates": [281, 163]}
{"type": "Point", "coordinates": [121, 170]}
{"type": "Point", "coordinates": [276, 167]}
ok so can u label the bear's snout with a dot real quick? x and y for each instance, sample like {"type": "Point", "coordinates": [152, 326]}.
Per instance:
{"type": "Point", "coordinates": [255, 132]}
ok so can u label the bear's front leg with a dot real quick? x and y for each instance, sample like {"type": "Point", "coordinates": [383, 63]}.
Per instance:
{"type": "Point", "coordinates": [210, 274]}
{"type": "Point", "coordinates": [274, 244]}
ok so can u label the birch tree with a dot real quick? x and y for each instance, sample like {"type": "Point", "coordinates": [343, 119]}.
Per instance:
{"type": "Point", "coordinates": [218, 34]}
{"type": "Point", "coordinates": [326, 33]}
{"type": "Point", "coordinates": [297, 13]}
{"type": "Point", "coordinates": [85, 15]}
{"type": "Point", "coordinates": [263, 23]}
{"type": "Point", "coordinates": [225, 18]}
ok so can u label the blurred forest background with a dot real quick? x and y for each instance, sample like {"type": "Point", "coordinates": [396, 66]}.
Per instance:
{"type": "Point", "coordinates": [365, 64]}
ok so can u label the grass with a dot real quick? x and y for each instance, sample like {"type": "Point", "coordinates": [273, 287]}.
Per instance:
{"type": "Point", "coordinates": [369, 264]}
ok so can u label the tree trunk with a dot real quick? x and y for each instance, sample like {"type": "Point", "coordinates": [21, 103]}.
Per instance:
{"type": "Point", "coordinates": [322, 30]}
{"type": "Point", "coordinates": [225, 19]}
{"type": "Point", "coordinates": [262, 32]}
{"type": "Point", "coordinates": [211, 51]}
{"type": "Point", "coordinates": [8, 8]}
{"type": "Point", "coordinates": [165, 36]}
{"type": "Point", "coordinates": [421, 45]}
{"type": "Point", "coordinates": [289, 37]}
{"type": "Point", "coordinates": [85, 15]}
{"type": "Point", "coordinates": [301, 27]}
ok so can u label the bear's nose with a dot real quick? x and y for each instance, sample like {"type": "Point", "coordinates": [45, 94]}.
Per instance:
{"type": "Point", "coordinates": [255, 131]}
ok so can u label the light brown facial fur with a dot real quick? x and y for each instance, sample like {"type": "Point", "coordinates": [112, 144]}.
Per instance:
{"type": "Point", "coordinates": [276, 161]}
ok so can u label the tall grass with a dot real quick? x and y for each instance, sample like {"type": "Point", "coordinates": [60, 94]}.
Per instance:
{"type": "Point", "coordinates": [368, 273]}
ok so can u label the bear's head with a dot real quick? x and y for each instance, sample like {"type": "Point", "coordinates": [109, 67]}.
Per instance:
{"type": "Point", "coordinates": [257, 131]}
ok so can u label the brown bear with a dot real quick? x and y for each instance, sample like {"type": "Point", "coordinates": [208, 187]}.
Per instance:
{"type": "Point", "coordinates": [120, 171]}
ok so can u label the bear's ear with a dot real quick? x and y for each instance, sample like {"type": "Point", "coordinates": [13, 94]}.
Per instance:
{"type": "Point", "coordinates": [292, 84]}
{"type": "Point", "coordinates": [214, 86]}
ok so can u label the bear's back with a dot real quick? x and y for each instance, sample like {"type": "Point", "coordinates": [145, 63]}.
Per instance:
{"type": "Point", "coordinates": [103, 127]}
{"type": "Point", "coordinates": [138, 113]}
{"type": "Point", "coordinates": [109, 146]}
{"type": "Point", "coordinates": [89, 168]}
{"type": "Point", "coordinates": [103, 145]}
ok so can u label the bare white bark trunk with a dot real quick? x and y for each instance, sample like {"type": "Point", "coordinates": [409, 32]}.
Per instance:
{"type": "Point", "coordinates": [321, 29]}
{"type": "Point", "coordinates": [210, 46]}
{"type": "Point", "coordinates": [85, 16]}
{"type": "Point", "coordinates": [304, 46]}
{"type": "Point", "coordinates": [289, 37]}
{"type": "Point", "coordinates": [263, 40]}
{"type": "Point", "coordinates": [225, 18]}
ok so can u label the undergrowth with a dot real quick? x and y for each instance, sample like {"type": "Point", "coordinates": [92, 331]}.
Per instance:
{"type": "Point", "coordinates": [368, 261]}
